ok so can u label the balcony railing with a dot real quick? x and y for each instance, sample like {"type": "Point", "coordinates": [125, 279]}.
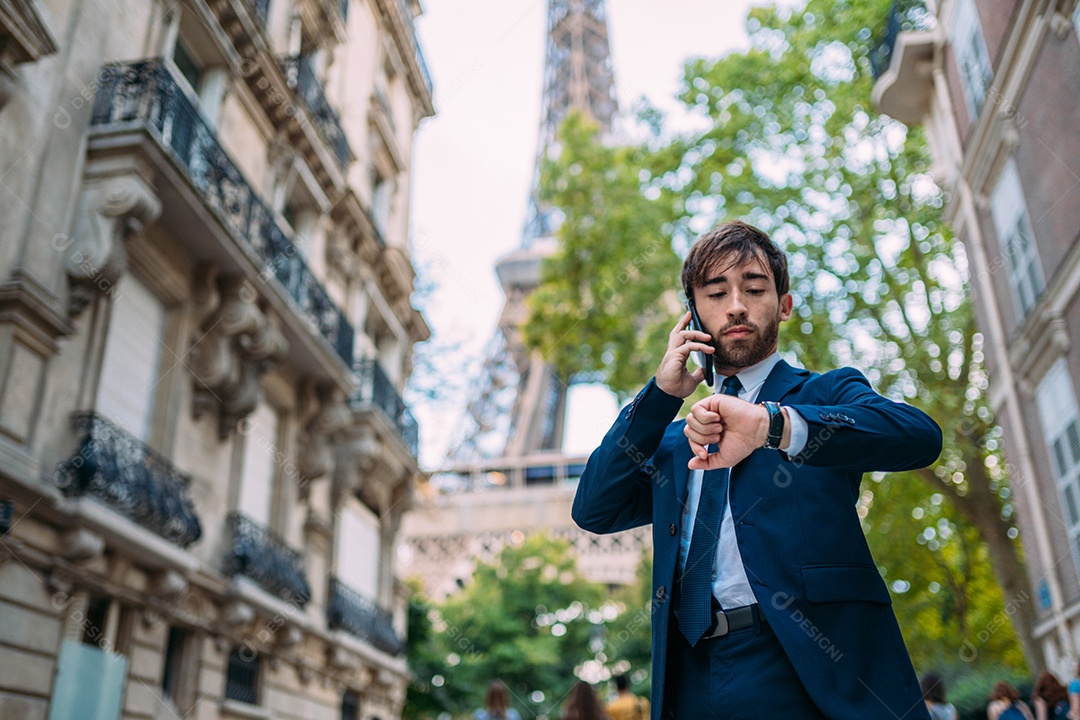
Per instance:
{"type": "Point", "coordinates": [118, 469]}
{"type": "Point", "coordinates": [261, 8]}
{"type": "Point", "coordinates": [146, 95]}
{"type": "Point", "coordinates": [374, 388]}
{"type": "Point", "coordinates": [904, 15]}
{"type": "Point", "coordinates": [307, 86]}
{"type": "Point", "coordinates": [357, 615]}
{"type": "Point", "coordinates": [406, 13]}
{"type": "Point", "coordinates": [256, 552]}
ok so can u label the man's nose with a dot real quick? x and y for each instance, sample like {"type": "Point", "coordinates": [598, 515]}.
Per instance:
{"type": "Point", "coordinates": [737, 308]}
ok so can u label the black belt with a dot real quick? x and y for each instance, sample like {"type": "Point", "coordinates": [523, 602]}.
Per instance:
{"type": "Point", "coordinates": [726, 622]}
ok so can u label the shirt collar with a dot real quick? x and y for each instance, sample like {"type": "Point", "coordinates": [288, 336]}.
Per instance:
{"type": "Point", "coordinates": [753, 377]}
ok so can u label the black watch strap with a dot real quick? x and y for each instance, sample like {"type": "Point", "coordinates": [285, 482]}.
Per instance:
{"type": "Point", "coordinates": [776, 425]}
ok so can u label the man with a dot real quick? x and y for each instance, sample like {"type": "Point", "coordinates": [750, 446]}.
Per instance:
{"type": "Point", "coordinates": [766, 600]}
{"type": "Point", "coordinates": [627, 705]}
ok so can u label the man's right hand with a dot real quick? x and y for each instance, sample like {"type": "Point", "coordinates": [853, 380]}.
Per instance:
{"type": "Point", "coordinates": [672, 376]}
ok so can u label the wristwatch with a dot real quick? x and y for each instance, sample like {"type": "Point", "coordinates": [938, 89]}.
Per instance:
{"type": "Point", "coordinates": [776, 425]}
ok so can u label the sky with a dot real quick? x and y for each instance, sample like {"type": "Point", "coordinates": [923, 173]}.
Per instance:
{"type": "Point", "coordinates": [473, 162]}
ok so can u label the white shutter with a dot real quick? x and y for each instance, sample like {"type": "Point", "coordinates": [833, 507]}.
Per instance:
{"type": "Point", "coordinates": [358, 549]}
{"type": "Point", "coordinates": [260, 450]}
{"type": "Point", "coordinates": [129, 371]}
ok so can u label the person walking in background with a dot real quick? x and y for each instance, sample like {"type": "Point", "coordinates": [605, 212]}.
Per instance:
{"type": "Point", "coordinates": [627, 706]}
{"type": "Point", "coordinates": [1074, 694]}
{"type": "Point", "coordinates": [1005, 704]}
{"type": "Point", "coordinates": [1050, 698]}
{"type": "Point", "coordinates": [497, 704]}
{"type": "Point", "coordinates": [933, 692]}
{"type": "Point", "coordinates": [582, 704]}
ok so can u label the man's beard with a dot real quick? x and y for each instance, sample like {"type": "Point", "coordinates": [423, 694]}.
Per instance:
{"type": "Point", "coordinates": [741, 353]}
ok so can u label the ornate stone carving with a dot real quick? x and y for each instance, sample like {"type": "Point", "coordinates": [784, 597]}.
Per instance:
{"type": "Point", "coordinates": [110, 211]}
{"type": "Point", "coordinates": [355, 455]}
{"type": "Point", "coordinates": [236, 343]}
{"type": "Point", "coordinates": [80, 545]}
{"type": "Point", "coordinates": [329, 417]}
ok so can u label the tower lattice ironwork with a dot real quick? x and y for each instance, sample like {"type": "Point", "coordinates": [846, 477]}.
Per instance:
{"type": "Point", "coordinates": [506, 474]}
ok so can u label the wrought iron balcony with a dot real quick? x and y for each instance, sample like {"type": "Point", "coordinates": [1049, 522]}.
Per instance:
{"type": "Point", "coordinates": [904, 16]}
{"type": "Point", "coordinates": [118, 469]}
{"type": "Point", "coordinates": [256, 552]}
{"type": "Point", "coordinates": [406, 12]}
{"type": "Point", "coordinates": [357, 615]}
{"type": "Point", "coordinates": [261, 8]}
{"type": "Point", "coordinates": [375, 389]}
{"type": "Point", "coordinates": [307, 86]}
{"type": "Point", "coordinates": [145, 95]}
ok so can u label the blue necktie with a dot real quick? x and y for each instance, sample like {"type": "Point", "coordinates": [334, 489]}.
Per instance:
{"type": "Point", "coordinates": [695, 591]}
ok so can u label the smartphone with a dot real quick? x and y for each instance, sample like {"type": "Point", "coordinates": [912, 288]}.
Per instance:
{"type": "Point", "coordinates": [703, 359]}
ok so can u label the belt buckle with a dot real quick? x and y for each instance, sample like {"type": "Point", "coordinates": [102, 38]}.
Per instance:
{"type": "Point", "coordinates": [722, 626]}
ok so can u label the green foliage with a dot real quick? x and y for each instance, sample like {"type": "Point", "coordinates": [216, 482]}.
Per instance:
{"type": "Point", "coordinates": [792, 144]}
{"type": "Point", "coordinates": [606, 300]}
{"type": "Point", "coordinates": [529, 619]}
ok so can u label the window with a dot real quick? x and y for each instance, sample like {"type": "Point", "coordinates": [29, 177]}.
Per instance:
{"type": "Point", "coordinates": [382, 195]}
{"type": "Point", "coordinates": [350, 706]}
{"type": "Point", "coordinates": [189, 68]}
{"type": "Point", "coordinates": [972, 57]}
{"type": "Point", "coordinates": [1056, 400]}
{"type": "Point", "coordinates": [359, 549]}
{"type": "Point", "coordinates": [173, 674]}
{"type": "Point", "coordinates": [1017, 240]}
{"type": "Point", "coordinates": [129, 371]}
{"type": "Point", "coordinates": [260, 431]}
{"type": "Point", "coordinates": [242, 676]}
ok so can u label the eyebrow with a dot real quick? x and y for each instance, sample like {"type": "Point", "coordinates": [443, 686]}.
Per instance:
{"type": "Point", "coordinates": [748, 275]}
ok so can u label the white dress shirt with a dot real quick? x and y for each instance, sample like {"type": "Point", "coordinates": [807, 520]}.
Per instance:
{"type": "Point", "coordinates": [730, 585]}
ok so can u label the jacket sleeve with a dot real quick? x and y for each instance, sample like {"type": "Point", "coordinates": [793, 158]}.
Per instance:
{"type": "Point", "coordinates": [615, 491]}
{"type": "Point", "coordinates": [856, 430]}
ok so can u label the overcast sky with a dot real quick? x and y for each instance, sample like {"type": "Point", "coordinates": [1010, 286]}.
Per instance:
{"type": "Point", "coordinates": [473, 162]}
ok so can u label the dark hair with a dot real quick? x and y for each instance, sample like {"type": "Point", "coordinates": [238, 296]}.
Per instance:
{"type": "Point", "coordinates": [733, 243]}
{"type": "Point", "coordinates": [1050, 689]}
{"type": "Point", "coordinates": [582, 703]}
{"type": "Point", "coordinates": [1004, 691]}
{"type": "Point", "coordinates": [933, 687]}
{"type": "Point", "coordinates": [497, 700]}
{"type": "Point", "coordinates": [621, 682]}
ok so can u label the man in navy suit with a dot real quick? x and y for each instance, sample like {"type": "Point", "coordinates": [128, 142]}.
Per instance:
{"type": "Point", "coordinates": [766, 601]}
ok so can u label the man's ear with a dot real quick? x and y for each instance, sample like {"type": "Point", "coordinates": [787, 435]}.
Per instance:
{"type": "Point", "coordinates": [786, 303]}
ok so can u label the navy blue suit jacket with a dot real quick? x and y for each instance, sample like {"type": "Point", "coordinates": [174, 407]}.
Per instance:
{"type": "Point", "coordinates": [796, 524]}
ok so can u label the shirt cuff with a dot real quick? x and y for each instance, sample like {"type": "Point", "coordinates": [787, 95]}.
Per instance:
{"type": "Point", "coordinates": [799, 433]}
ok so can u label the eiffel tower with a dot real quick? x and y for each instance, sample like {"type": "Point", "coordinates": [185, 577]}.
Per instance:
{"type": "Point", "coordinates": [506, 474]}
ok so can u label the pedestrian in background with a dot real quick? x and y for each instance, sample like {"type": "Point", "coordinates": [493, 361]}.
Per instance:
{"type": "Point", "coordinates": [1005, 704]}
{"type": "Point", "coordinates": [933, 691]}
{"type": "Point", "coordinates": [582, 704]}
{"type": "Point", "coordinates": [1050, 698]}
{"type": "Point", "coordinates": [497, 704]}
{"type": "Point", "coordinates": [1074, 695]}
{"type": "Point", "coordinates": [627, 705]}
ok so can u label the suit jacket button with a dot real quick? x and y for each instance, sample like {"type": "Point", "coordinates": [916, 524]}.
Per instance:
{"type": "Point", "coordinates": [661, 592]}
{"type": "Point", "coordinates": [672, 529]}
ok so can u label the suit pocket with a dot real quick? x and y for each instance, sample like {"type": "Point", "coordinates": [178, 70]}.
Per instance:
{"type": "Point", "coordinates": [844, 583]}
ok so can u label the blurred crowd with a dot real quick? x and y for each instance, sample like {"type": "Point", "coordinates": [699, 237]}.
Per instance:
{"type": "Point", "coordinates": [1050, 699]}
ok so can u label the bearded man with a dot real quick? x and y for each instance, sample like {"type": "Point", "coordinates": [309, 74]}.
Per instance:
{"type": "Point", "coordinates": [766, 601]}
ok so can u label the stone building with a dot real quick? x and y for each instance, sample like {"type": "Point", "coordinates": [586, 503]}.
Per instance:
{"type": "Point", "coordinates": [205, 327]}
{"type": "Point", "coordinates": [995, 85]}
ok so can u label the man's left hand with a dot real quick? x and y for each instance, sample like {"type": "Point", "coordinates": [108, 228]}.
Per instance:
{"type": "Point", "coordinates": [737, 427]}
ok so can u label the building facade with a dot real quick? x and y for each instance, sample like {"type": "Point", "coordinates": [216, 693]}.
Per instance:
{"type": "Point", "coordinates": [205, 328]}
{"type": "Point", "coordinates": [996, 84]}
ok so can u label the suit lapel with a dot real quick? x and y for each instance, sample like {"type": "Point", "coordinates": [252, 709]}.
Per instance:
{"type": "Point", "coordinates": [782, 379]}
{"type": "Point", "coordinates": [680, 458]}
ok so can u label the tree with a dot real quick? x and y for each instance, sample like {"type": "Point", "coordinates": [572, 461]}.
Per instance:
{"type": "Point", "coordinates": [792, 143]}
{"type": "Point", "coordinates": [529, 618]}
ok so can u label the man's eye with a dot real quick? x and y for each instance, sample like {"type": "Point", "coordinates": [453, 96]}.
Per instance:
{"type": "Point", "coordinates": [717, 294]}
